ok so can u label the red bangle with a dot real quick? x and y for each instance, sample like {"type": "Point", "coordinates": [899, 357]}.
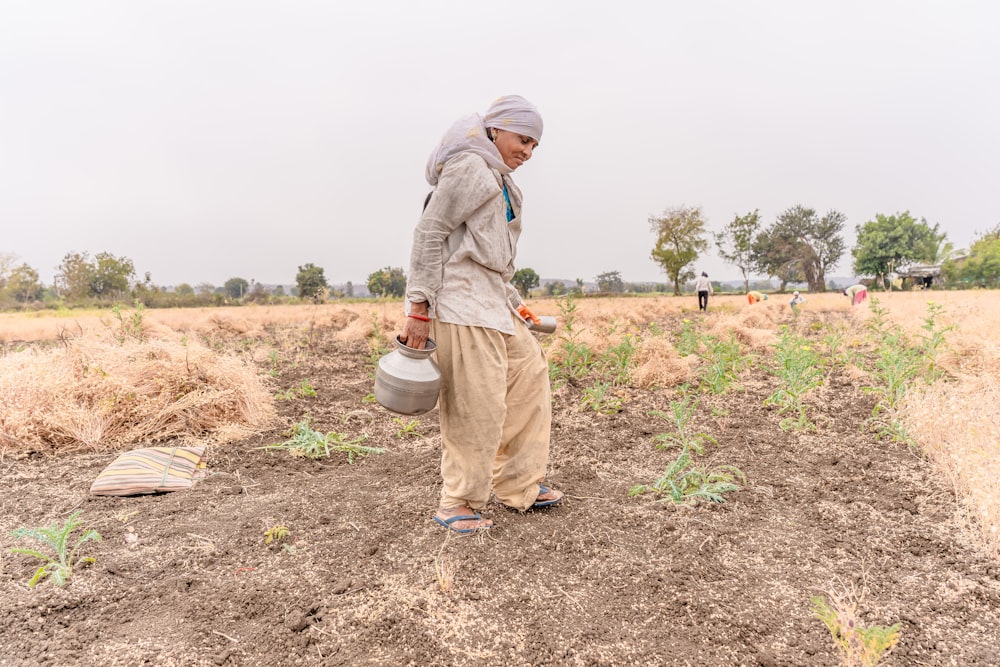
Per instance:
{"type": "Point", "coordinates": [422, 318]}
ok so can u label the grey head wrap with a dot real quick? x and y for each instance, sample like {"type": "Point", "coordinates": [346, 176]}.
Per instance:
{"type": "Point", "coordinates": [511, 112]}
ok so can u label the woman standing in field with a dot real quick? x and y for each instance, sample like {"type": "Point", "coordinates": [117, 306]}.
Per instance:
{"type": "Point", "coordinates": [495, 402]}
{"type": "Point", "coordinates": [704, 287]}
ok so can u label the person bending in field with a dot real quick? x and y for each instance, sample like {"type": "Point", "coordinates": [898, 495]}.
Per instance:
{"type": "Point", "coordinates": [857, 294]}
{"type": "Point", "coordinates": [754, 296]}
{"type": "Point", "coordinates": [796, 300]}
{"type": "Point", "coordinates": [495, 402]}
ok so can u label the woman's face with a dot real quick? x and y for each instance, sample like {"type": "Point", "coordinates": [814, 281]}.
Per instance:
{"type": "Point", "coordinates": [515, 149]}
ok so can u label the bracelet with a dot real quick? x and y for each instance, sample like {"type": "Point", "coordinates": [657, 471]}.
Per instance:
{"type": "Point", "coordinates": [422, 318]}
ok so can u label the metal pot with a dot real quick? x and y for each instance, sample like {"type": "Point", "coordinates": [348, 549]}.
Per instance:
{"type": "Point", "coordinates": [407, 381]}
{"type": "Point", "coordinates": [546, 324]}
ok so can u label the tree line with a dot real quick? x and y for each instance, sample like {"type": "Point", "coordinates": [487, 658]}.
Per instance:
{"type": "Point", "coordinates": [799, 246]}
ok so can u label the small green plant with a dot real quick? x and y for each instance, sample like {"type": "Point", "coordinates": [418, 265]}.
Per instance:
{"type": "Point", "coordinates": [681, 414]}
{"type": "Point", "coordinates": [376, 346]}
{"type": "Point", "coordinates": [688, 339]}
{"type": "Point", "coordinates": [725, 360]}
{"type": "Point", "coordinates": [616, 362]}
{"type": "Point", "coordinates": [60, 562]}
{"type": "Point", "coordinates": [302, 390]}
{"type": "Point", "coordinates": [799, 370]}
{"type": "Point", "coordinates": [858, 645]}
{"type": "Point", "coordinates": [129, 326]}
{"type": "Point", "coordinates": [600, 399]}
{"type": "Point", "coordinates": [304, 441]}
{"type": "Point", "coordinates": [683, 483]}
{"type": "Point", "coordinates": [573, 359]}
{"type": "Point", "coordinates": [407, 428]}
{"type": "Point", "coordinates": [276, 534]}
{"type": "Point", "coordinates": [931, 342]}
{"type": "Point", "coordinates": [272, 359]}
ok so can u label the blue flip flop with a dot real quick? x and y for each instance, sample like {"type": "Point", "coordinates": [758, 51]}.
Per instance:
{"type": "Point", "coordinates": [538, 504]}
{"type": "Point", "coordinates": [462, 517]}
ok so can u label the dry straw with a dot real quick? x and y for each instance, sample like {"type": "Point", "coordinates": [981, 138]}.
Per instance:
{"type": "Point", "coordinates": [95, 393]}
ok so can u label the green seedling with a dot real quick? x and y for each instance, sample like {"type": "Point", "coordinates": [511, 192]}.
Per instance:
{"type": "Point", "coordinates": [303, 390]}
{"type": "Point", "coordinates": [407, 428]}
{"type": "Point", "coordinates": [129, 326]}
{"type": "Point", "coordinates": [680, 417]}
{"type": "Point", "coordinates": [685, 484]}
{"type": "Point", "coordinates": [599, 399]}
{"type": "Point", "coordinates": [573, 359]}
{"type": "Point", "coordinates": [305, 441]}
{"type": "Point", "coordinates": [799, 371]}
{"type": "Point", "coordinates": [858, 645]}
{"type": "Point", "coordinates": [58, 564]}
{"type": "Point", "coordinates": [275, 534]}
{"type": "Point", "coordinates": [616, 362]}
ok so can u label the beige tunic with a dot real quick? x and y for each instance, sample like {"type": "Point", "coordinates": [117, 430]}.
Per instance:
{"type": "Point", "coordinates": [463, 248]}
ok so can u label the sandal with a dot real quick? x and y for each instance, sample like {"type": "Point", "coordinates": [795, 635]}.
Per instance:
{"type": "Point", "coordinates": [462, 517]}
{"type": "Point", "coordinates": [542, 490]}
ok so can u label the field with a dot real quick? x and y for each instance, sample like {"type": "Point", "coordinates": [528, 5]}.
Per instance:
{"type": "Point", "coordinates": [866, 441]}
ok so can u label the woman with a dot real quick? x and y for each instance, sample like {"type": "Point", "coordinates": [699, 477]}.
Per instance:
{"type": "Point", "coordinates": [753, 296]}
{"type": "Point", "coordinates": [857, 294]}
{"type": "Point", "coordinates": [796, 300]}
{"type": "Point", "coordinates": [495, 402]}
{"type": "Point", "coordinates": [704, 287]}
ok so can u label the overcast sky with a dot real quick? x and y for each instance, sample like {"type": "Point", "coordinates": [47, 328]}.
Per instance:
{"type": "Point", "coordinates": [206, 140]}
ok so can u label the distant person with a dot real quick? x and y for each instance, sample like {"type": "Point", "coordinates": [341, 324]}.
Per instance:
{"type": "Point", "coordinates": [495, 404]}
{"type": "Point", "coordinates": [857, 294]}
{"type": "Point", "coordinates": [796, 300]}
{"type": "Point", "coordinates": [704, 287]}
{"type": "Point", "coordinates": [753, 296]}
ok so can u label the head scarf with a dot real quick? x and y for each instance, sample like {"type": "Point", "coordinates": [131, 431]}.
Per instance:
{"type": "Point", "coordinates": [468, 134]}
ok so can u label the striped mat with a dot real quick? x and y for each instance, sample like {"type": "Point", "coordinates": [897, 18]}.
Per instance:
{"type": "Point", "coordinates": [151, 470]}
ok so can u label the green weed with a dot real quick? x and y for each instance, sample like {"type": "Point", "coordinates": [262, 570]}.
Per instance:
{"type": "Point", "coordinates": [680, 416]}
{"type": "Point", "coordinates": [574, 359]}
{"type": "Point", "coordinates": [303, 390]}
{"type": "Point", "coordinates": [683, 483]}
{"type": "Point", "coordinates": [129, 326]}
{"type": "Point", "coordinates": [599, 399]}
{"type": "Point", "coordinates": [858, 645]}
{"type": "Point", "coordinates": [407, 428]}
{"type": "Point", "coordinates": [59, 563]}
{"type": "Point", "coordinates": [304, 441]}
{"type": "Point", "coordinates": [799, 370]}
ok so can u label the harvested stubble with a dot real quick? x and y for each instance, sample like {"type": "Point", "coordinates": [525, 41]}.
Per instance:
{"type": "Point", "coordinates": [92, 393]}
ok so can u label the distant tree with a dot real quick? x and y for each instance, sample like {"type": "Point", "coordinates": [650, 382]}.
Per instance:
{"type": "Point", "coordinates": [22, 282]}
{"type": "Point", "coordinates": [349, 289]}
{"type": "Point", "coordinates": [74, 275]}
{"type": "Point", "coordinates": [205, 289]}
{"type": "Point", "coordinates": [278, 291]}
{"type": "Point", "coordinates": [184, 290]}
{"type": "Point", "coordinates": [389, 281]}
{"type": "Point", "coordinates": [525, 280]}
{"type": "Point", "coordinates": [236, 288]}
{"type": "Point", "coordinates": [579, 286]}
{"type": "Point", "coordinates": [312, 283]}
{"type": "Point", "coordinates": [555, 288]}
{"type": "Point", "coordinates": [679, 239]}
{"type": "Point", "coordinates": [981, 266]}
{"type": "Point", "coordinates": [611, 281]}
{"type": "Point", "coordinates": [111, 276]}
{"type": "Point", "coordinates": [7, 263]}
{"type": "Point", "coordinates": [891, 241]}
{"type": "Point", "coordinates": [800, 246]}
{"type": "Point", "coordinates": [735, 243]}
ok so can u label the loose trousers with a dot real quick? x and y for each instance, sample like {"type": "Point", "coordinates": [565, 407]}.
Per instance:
{"type": "Point", "coordinates": [496, 414]}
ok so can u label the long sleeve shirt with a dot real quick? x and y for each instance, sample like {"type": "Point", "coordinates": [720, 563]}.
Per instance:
{"type": "Point", "coordinates": [703, 284]}
{"type": "Point", "coordinates": [464, 248]}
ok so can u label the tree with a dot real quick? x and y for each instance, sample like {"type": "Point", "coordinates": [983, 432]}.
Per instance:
{"type": "Point", "coordinates": [184, 290]}
{"type": "Point", "coordinates": [74, 275]}
{"type": "Point", "coordinates": [800, 246]}
{"type": "Point", "coordinates": [525, 280]}
{"type": "Point", "coordinates": [7, 261]}
{"type": "Point", "coordinates": [312, 283]}
{"type": "Point", "coordinates": [23, 284]}
{"type": "Point", "coordinates": [891, 241]}
{"type": "Point", "coordinates": [611, 282]}
{"type": "Point", "coordinates": [111, 276]}
{"type": "Point", "coordinates": [205, 289]}
{"type": "Point", "coordinates": [679, 240]}
{"type": "Point", "coordinates": [982, 265]}
{"type": "Point", "coordinates": [236, 288]}
{"type": "Point", "coordinates": [735, 243]}
{"type": "Point", "coordinates": [555, 288]}
{"type": "Point", "coordinates": [389, 281]}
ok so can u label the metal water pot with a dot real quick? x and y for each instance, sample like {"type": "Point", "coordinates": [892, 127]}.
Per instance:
{"type": "Point", "coordinates": [407, 381]}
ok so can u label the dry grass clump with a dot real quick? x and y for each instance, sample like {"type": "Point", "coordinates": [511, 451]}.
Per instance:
{"type": "Point", "coordinates": [97, 394]}
{"type": "Point", "coordinates": [957, 425]}
{"type": "Point", "coordinates": [658, 364]}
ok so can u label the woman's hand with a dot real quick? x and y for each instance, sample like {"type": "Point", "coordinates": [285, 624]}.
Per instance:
{"type": "Point", "coordinates": [417, 327]}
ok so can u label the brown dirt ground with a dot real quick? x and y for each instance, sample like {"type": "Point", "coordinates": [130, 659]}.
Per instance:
{"type": "Point", "coordinates": [186, 579]}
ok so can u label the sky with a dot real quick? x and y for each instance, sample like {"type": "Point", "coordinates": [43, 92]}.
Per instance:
{"type": "Point", "coordinates": [209, 139]}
